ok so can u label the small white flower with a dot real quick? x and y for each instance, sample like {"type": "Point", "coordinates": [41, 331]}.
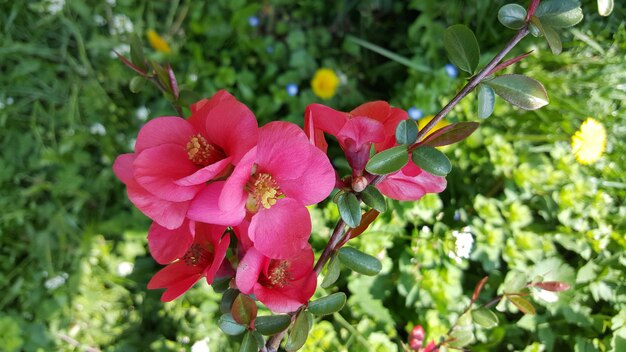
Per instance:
{"type": "Point", "coordinates": [201, 346]}
{"type": "Point", "coordinates": [9, 100]}
{"type": "Point", "coordinates": [547, 296]}
{"type": "Point", "coordinates": [193, 77]}
{"type": "Point", "coordinates": [125, 268]}
{"type": "Point", "coordinates": [111, 2]}
{"type": "Point", "coordinates": [121, 24]}
{"type": "Point", "coordinates": [99, 20]}
{"type": "Point", "coordinates": [56, 282]}
{"type": "Point", "coordinates": [98, 128]}
{"type": "Point", "coordinates": [55, 6]}
{"type": "Point", "coordinates": [142, 113]}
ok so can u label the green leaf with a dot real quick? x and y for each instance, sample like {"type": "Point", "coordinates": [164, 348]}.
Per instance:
{"type": "Point", "coordinates": [559, 13]}
{"type": "Point", "coordinates": [220, 284]}
{"type": "Point", "coordinates": [552, 37]}
{"type": "Point", "coordinates": [512, 16]}
{"type": "Point", "coordinates": [328, 305]}
{"type": "Point", "coordinates": [406, 132]}
{"type": "Point", "coordinates": [229, 326]}
{"type": "Point", "coordinates": [260, 341]}
{"type": "Point", "coordinates": [272, 324]}
{"type": "Point", "coordinates": [450, 134]}
{"type": "Point", "coordinates": [605, 7]}
{"type": "Point", "coordinates": [388, 161]}
{"type": "Point", "coordinates": [249, 343]}
{"type": "Point", "coordinates": [137, 84]}
{"type": "Point", "coordinates": [516, 282]}
{"type": "Point", "coordinates": [521, 91]}
{"type": "Point", "coordinates": [485, 318]}
{"type": "Point", "coordinates": [244, 309]}
{"type": "Point", "coordinates": [432, 161]}
{"type": "Point", "coordinates": [461, 338]}
{"type": "Point", "coordinates": [486, 101]}
{"type": "Point", "coordinates": [373, 198]}
{"type": "Point", "coordinates": [332, 273]}
{"type": "Point", "coordinates": [136, 52]}
{"type": "Point", "coordinates": [349, 209]}
{"type": "Point", "coordinates": [226, 304]}
{"type": "Point", "coordinates": [299, 332]}
{"type": "Point", "coordinates": [391, 55]}
{"type": "Point", "coordinates": [462, 47]}
{"type": "Point", "coordinates": [522, 304]}
{"type": "Point", "coordinates": [360, 262]}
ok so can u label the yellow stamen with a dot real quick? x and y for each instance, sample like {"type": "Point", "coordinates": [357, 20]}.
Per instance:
{"type": "Point", "coordinates": [263, 192]}
{"type": "Point", "coordinates": [201, 152]}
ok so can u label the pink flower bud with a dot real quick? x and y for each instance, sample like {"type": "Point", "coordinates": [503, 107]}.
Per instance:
{"type": "Point", "coordinates": [418, 333]}
{"type": "Point", "coordinates": [415, 345]}
{"type": "Point", "coordinates": [359, 183]}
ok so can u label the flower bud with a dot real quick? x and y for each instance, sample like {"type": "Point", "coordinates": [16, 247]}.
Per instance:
{"type": "Point", "coordinates": [418, 333]}
{"type": "Point", "coordinates": [415, 345]}
{"type": "Point", "coordinates": [359, 183]}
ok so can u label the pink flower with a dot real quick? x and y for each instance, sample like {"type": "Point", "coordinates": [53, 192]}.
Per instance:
{"type": "Point", "coordinates": [271, 186]}
{"type": "Point", "coordinates": [174, 157]}
{"type": "Point", "coordinates": [203, 258]}
{"type": "Point", "coordinates": [283, 285]}
{"type": "Point", "coordinates": [371, 123]}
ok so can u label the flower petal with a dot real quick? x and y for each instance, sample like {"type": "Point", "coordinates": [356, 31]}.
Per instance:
{"type": "Point", "coordinates": [177, 278]}
{"type": "Point", "coordinates": [402, 187]}
{"type": "Point", "coordinates": [249, 269]}
{"type": "Point", "coordinates": [123, 167]}
{"type": "Point", "coordinates": [234, 194]}
{"type": "Point", "coordinates": [157, 169]}
{"type": "Point", "coordinates": [281, 150]}
{"type": "Point", "coordinates": [205, 174]}
{"type": "Point", "coordinates": [316, 182]}
{"type": "Point", "coordinates": [205, 207]}
{"type": "Point", "coordinates": [281, 231]}
{"type": "Point", "coordinates": [167, 214]}
{"type": "Point", "coordinates": [289, 298]}
{"type": "Point", "coordinates": [164, 130]}
{"type": "Point", "coordinates": [319, 119]}
{"type": "Point", "coordinates": [168, 245]}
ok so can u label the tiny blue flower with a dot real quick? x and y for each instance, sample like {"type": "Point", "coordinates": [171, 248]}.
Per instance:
{"type": "Point", "coordinates": [269, 49]}
{"type": "Point", "coordinates": [253, 21]}
{"type": "Point", "coordinates": [457, 215]}
{"type": "Point", "coordinates": [451, 71]}
{"type": "Point", "coordinates": [292, 89]}
{"type": "Point", "coordinates": [415, 113]}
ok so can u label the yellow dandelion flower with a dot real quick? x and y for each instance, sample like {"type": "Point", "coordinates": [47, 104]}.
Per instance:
{"type": "Point", "coordinates": [589, 141]}
{"type": "Point", "coordinates": [157, 42]}
{"type": "Point", "coordinates": [423, 122]}
{"type": "Point", "coordinates": [325, 83]}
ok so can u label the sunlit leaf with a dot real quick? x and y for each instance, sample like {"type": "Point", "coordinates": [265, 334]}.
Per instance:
{"type": "Point", "coordinates": [229, 326]}
{"type": "Point", "coordinates": [559, 13]}
{"type": "Point", "coordinates": [450, 134]}
{"type": "Point", "coordinates": [360, 262]}
{"type": "Point", "coordinates": [486, 101]}
{"type": "Point", "coordinates": [522, 304]}
{"type": "Point", "coordinates": [406, 132]}
{"type": "Point", "coordinates": [485, 318]}
{"type": "Point", "coordinates": [512, 16]}
{"type": "Point", "coordinates": [299, 332]}
{"type": "Point", "coordinates": [521, 91]}
{"type": "Point", "coordinates": [462, 47]}
{"type": "Point", "coordinates": [432, 161]}
{"type": "Point", "coordinates": [388, 161]}
{"type": "Point", "coordinates": [605, 7]}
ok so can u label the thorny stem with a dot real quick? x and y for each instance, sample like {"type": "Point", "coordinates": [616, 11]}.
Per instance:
{"type": "Point", "coordinates": [273, 342]}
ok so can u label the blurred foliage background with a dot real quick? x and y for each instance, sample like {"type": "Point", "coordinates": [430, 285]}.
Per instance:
{"type": "Point", "coordinates": [74, 262]}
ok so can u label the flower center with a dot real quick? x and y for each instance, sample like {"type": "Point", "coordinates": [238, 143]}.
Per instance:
{"type": "Point", "coordinates": [278, 274]}
{"type": "Point", "coordinates": [203, 153]}
{"type": "Point", "coordinates": [263, 191]}
{"type": "Point", "coordinates": [197, 255]}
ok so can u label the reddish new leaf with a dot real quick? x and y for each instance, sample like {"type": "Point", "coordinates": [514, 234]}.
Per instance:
{"type": "Point", "coordinates": [450, 134]}
{"type": "Point", "coordinates": [129, 64]}
{"type": "Point", "coordinates": [553, 286]}
{"type": "Point", "coordinates": [508, 63]}
{"type": "Point", "coordinates": [531, 9]}
{"type": "Point", "coordinates": [522, 304]}
{"type": "Point", "coordinates": [478, 288]}
{"type": "Point", "coordinates": [172, 81]}
{"type": "Point", "coordinates": [366, 220]}
{"type": "Point", "coordinates": [244, 309]}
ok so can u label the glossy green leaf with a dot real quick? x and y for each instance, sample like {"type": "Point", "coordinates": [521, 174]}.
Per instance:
{"type": "Point", "coordinates": [220, 284]}
{"type": "Point", "coordinates": [299, 332]}
{"type": "Point", "coordinates": [229, 326]}
{"type": "Point", "coordinates": [388, 161]}
{"type": "Point", "coordinates": [552, 37]}
{"type": "Point", "coordinates": [136, 52]}
{"type": "Point", "coordinates": [137, 83]}
{"type": "Point", "coordinates": [486, 101]}
{"type": "Point", "coordinates": [485, 317]}
{"type": "Point", "coordinates": [462, 47]}
{"type": "Point", "coordinates": [260, 340]}
{"type": "Point", "coordinates": [512, 16]}
{"type": "Point", "coordinates": [226, 304]}
{"type": "Point", "coordinates": [521, 91]}
{"type": "Point", "coordinates": [432, 161]}
{"type": "Point", "coordinates": [272, 324]}
{"type": "Point", "coordinates": [605, 7]}
{"type": "Point", "coordinates": [450, 134]}
{"type": "Point", "coordinates": [328, 305]}
{"type": "Point", "coordinates": [516, 282]}
{"type": "Point", "coordinates": [559, 13]}
{"type": "Point", "coordinates": [522, 304]}
{"type": "Point", "coordinates": [360, 262]}
{"type": "Point", "coordinates": [406, 132]}
{"type": "Point", "coordinates": [333, 270]}
{"type": "Point", "coordinates": [244, 309]}
{"type": "Point", "coordinates": [349, 209]}
{"type": "Point", "coordinates": [373, 198]}
{"type": "Point", "coordinates": [249, 343]}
